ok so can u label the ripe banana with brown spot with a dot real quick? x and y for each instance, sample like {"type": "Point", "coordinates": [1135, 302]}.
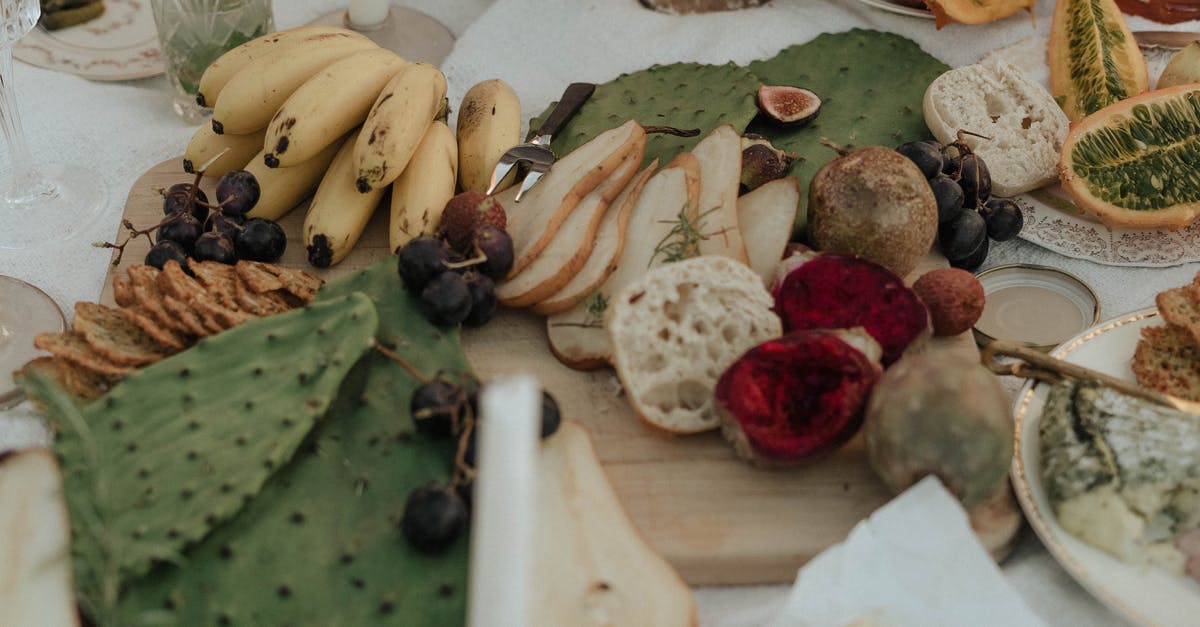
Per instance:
{"type": "Point", "coordinates": [338, 213]}
{"type": "Point", "coordinates": [489, 123]}
{"type": "Point", "coordinates": [396, 124]}
{"type": "Point", "coordinates": [328, 105]}
{"type": "Point", "coordinates": [285, 188]}
{"type": "Point", "coordinates": [218, 73]}
{"type": "Point", "coordinates": [255, 93]}
{"type": "Point", "coordinates": [421, 192]}
{"type": "Point", "coordinates": [205, 144]}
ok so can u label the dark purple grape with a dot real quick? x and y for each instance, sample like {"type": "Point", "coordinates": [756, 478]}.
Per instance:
{"type": "Point", "coordinates": [420, 260]}
{"type": "Point", "coordinates": [1003, 218]}
{"type": "Point", "coordinates": [227, 224]}
{"type": "Point", "coordinates": [434, 517]}
{"type": "Point", "coordinates": [446, 301]}
{"type": "Point", "coordinates": [165, 251]}
{"type": "Point", "coordinates": [260, 240]}
{"type": "Point", "coordinates": [183, 229]}
{"type": "Point", "coordinates": [497, 246]}
{"type": "Point", "coordinates": [215, 247]}
{"type": "Point", "coordinates": [237, 191]}
{"type": "Point", "coordinates": [949, 197]}
{"type": "Point", "coordinates": [961, 237]}
{"type": "Point", "coordinates": [551, 417]}
{"type": "Point", "coordinates": [465, 489]}
{"type": "Point", "coordinates": [973, 260]}
{"type": "Point", "coordinates": [926, 154]}
{"type": "Point", "coordinates": [177, 200]}
{"type": "Point", "coordinates": [951, 156]}
{"type": "Point", "coordinates": [438, 407]}
{"type": "Point", "coordinates": [975, 181]}
{"type": "Point", "coordinates": [483, 299]}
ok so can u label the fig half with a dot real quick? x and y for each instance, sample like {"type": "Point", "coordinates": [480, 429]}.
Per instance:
{"type": "Point", "coordinates": [796, 398]}
{"type": "Point", "coordinates": [788, 105]}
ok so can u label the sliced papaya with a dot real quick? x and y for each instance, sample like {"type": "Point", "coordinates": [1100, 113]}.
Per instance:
{"type": "Point", "coordinates": [1136, 163]}
{"type": "Point", "coordinates": [975, 11]}
{"type": "Point", "coordinates": [1094, 60]}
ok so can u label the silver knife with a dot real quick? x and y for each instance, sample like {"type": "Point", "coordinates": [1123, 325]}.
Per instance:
{"type": "Point", "coordinates": [1173, 40]}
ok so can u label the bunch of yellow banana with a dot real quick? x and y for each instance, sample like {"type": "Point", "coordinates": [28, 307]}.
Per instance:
{"type": "Point", "coordinates": [325, 110]}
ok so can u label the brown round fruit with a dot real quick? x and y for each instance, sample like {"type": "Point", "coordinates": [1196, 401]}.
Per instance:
{"type": "Point", "coordinates": [954, 298]}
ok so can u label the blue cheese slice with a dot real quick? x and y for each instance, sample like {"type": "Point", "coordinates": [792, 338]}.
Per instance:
{"type": "Point", "coordinates": [1123, 474]}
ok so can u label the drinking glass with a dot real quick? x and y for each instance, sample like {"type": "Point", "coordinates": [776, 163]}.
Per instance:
{"type": "Point", "coordinates": [193, 33]}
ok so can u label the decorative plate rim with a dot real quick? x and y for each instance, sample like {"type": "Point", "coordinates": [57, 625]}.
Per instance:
{"type": "Point", "coordinates": [133, 60]}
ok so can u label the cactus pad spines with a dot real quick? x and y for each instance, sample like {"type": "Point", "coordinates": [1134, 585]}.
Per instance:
{"type": "Point", "coordinates": [682, 95]}
{"type": "Point", "coordinates": [321, 545]}
{"type": "Point", "coordinates": [181, 446]}
{"type": "Point", "coordinates": [872, 86]}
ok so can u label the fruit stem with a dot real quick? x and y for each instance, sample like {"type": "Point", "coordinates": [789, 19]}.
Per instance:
{"type": "Point", "coordinates": [133, 233]}
{"type": "Point", "coordinates": [841, 150]}
{"type": "Point", "coordinates": [671, 130]}
{"type": "Point", "coordinates": [962, 132]}
{"type": "Point", "coordinates": [466, 263]}
{"type": "Point", "coordinates": [390, 354]}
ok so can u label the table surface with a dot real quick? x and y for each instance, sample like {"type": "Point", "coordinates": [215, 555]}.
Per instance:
{"type": "Point", "coordinates": [122, 129]}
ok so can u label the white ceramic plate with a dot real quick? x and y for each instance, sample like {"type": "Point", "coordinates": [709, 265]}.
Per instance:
{"type": "Point", "coordinates": [1144, 595]}
{"type": "Point", "coordinates": [895, 7]}
{"type": "Point", "coordinates": [120, 45]}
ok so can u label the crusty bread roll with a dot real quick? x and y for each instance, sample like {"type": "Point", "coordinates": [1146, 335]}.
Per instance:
{"type": "Point", "coordinates": [995, 99]}
{"type": "Point", "coordinates": [675, 330]}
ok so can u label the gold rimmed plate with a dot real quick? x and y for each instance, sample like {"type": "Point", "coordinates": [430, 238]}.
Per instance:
{"type": "Point", "coordinates": [1142, 594]}
{"type": "Point", "coordinates": [899, 8]}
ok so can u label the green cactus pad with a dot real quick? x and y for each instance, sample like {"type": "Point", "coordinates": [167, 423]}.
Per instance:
{"type": "Point", "coordinates": [681, 95]}
{"type": "Point", "coordinates": [181, 446]}
{"type": "Point", "coordinates": [321, 544]}
{"type": "Point", "coordinates": [871, 84]}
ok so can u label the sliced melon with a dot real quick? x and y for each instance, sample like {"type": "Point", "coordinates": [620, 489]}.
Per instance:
{"type": "Point", "coordinates": [1094, 59]}
{"type": "Point", "coordinates": [975, 11]}
{"type": "Point", "coordinates": [1136, 163]}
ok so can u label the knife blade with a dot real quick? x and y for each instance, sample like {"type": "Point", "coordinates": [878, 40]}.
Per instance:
{"type": "Point", "coordinates": [1173, 40]}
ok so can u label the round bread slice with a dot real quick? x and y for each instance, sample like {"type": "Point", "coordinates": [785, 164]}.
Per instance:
{"type": "Point", "coordinates": [1026, 127]}
{"type": "Point", "coordinates": [678, 328]}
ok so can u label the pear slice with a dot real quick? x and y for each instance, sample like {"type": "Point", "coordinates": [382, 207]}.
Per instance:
{"type": "Point", "coordinates": [767, 216]}
{"type": "Point", "coordinates": [593, 566]}
{"type": "Point", "coordinates": [533, 222]}
{"type": "Point", "coordinates": [570, 247]}
{"type": "Point", "coordinates": [577, 336]}
{"type": "Point", "coordinates": [720, 156]}
{"type": "Point", "coordinates": [35, 556]}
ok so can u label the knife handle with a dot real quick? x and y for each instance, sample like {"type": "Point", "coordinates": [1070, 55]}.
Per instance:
{"type": "Point", "coordinates": [572, 99]}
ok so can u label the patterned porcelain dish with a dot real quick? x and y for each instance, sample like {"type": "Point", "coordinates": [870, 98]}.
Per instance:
{"type": "Point", "coordinates": [1143, 595]}
{"type": "Point", "coordinates": [120, 45]}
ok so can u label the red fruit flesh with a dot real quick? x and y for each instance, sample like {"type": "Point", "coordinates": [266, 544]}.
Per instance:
{"type": "Point", "coordinates": [840, 291]}
{"type": "Point", "coordinates": [798, 397]}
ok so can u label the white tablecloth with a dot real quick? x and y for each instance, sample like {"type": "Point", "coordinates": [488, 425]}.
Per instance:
{"type": "Point", "coordinates": [122, 129]}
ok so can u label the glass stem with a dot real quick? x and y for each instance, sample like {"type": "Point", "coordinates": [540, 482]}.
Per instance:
{"type": "Point", "coordinates": [10, 119]}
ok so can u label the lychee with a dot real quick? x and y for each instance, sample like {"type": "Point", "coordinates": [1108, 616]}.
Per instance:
{"type": "Point", "coordinates": [954, 298]}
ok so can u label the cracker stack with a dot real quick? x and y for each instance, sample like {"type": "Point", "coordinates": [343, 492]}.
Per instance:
{"type": "Point", "coordinates": [1167, 358]}
{"type": "Point", "coordinates": [160, 313]}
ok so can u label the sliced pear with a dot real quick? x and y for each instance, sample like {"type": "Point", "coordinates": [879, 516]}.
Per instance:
{"type": "Point", "coordinates": [766, 216]}
{"type": "Point", "coordinates": [720, 156]}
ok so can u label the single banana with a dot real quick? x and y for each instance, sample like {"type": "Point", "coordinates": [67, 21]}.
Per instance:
{"type": "Point", "coordinates": [424, 187]}
{"type": "Point", "coordinates": [285, 188]}
{"type": "Point", "coordinates": [489, 122]}
{"type": "Point", "coordinates": [220, 71]}
{"type": "Point", "coordinates": [256, 92]}
{"type": "Point", "coordinates": [338, 213]}
{"type": "Point", "coordinates": [205, 144]}
{"type": "Point", "coordinates": [328, 105]}
{"type": "Point", "coordinates": [396, 123]}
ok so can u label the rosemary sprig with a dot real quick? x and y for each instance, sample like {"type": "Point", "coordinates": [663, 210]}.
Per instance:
{"type": "Point", "coordinates": [595, 304]}
{"type": "Point", "coordinates": [683, 240]}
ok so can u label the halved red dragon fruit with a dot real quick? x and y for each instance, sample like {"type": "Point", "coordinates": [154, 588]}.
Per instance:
{"type": "Point", "coordinates": [841, 291]}
{"type": "Point", "coordinates": [798, 397]}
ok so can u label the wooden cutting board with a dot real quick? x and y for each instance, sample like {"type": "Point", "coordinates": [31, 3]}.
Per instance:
{"type": "Point", "coordinates": [715, 518]}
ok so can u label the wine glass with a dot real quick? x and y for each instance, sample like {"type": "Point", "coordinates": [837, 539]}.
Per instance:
{"type": "Point", "coordinates": [408, 32]}
{"type": "Point", "coordinates": [39, 202]}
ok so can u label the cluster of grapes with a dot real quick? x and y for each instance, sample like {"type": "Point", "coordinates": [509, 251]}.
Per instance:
{"type": "Point", "coordinates": [968, 214]}
{"type": "Point", "coordinates": [215, 232]}
{"type": "Point", "coordinates": [435, 514]}
{"type": "Point", "coordinates": [456, 283]}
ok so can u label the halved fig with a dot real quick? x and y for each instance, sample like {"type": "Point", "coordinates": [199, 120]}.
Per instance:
{"type": "Point", "coordinates": [842, 291]}
{"type": "Point", "coordinates": [788, 105]}
{"type": "Point", "coordinates": [796, 398]}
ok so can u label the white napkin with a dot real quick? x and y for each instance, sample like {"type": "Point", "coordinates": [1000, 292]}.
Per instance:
{"type": "Point", "coordinates": [913, 563]}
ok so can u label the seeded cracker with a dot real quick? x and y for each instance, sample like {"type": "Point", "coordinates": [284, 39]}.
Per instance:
{"type": "Point", "coordinates": [187, 317]}
{"type": "Point", "coordinates": [116, 338]}
{"type": "Point", "coordinates": [170, 339]}
{"type": "Point", "coordinates": [256, 277]}
{"type": "Point", "coordinates": [219, 279]}
{"type": "Point", "coordinates": [73, 348]}
{"type": "Point", "coordinates": [123, 292]}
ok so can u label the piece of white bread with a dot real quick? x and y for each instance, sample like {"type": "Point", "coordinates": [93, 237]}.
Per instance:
{"type": "Point", "coordinates": [570, 247]}
{"type": "Point", "coordinates": [720, 156]}
{"type": "Point", "coordinates": [532, 222]}
{"type": "Point", "coordinates": [35, 540]}
{"type": "Point", "coordinates": [678, 328]}
{"type": "Point", "coordinates": [995, 99]}
{"type": "Point", "coordinates": [610, 240]}
{"type": "Point", "coordinates": [767, 216]}
{"type": "Point", "coordinates": [577, 336]}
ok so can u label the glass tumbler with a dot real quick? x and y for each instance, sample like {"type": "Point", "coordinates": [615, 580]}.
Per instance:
{"type": "Point", "coordinates": [193, 33]}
